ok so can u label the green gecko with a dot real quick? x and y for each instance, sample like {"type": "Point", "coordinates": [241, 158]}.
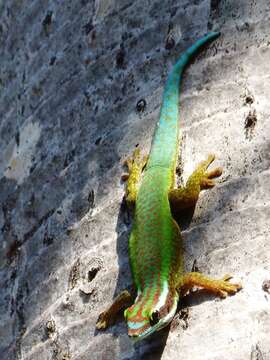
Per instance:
{"type": "Point", "coordinates": [155, 247]}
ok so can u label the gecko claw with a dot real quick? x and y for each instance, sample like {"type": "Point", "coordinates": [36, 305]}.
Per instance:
{"type": "Point", "coordinates": [103, 321]}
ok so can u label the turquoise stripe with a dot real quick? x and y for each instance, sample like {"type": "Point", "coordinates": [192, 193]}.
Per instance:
{"type": "Point", "coordinates": [136, 325]}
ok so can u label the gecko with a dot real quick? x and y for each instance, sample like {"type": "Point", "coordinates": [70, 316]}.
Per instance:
{"type": "Point", "coordinates": [155, 244]}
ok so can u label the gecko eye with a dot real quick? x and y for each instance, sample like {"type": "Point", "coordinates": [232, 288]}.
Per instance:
{"type": "Point", "coordinates": [154, 318]}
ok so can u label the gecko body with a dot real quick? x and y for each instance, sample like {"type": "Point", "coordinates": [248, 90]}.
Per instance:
{"type": "Point", "coordinates": [155, 247]}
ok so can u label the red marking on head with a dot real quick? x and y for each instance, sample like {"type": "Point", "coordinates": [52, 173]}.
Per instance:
{"type": "Point", "coordinates": [137, 318]}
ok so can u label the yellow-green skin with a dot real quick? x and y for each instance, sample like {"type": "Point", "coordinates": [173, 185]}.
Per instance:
{"type": "Point", "coordinates": [155, 247]}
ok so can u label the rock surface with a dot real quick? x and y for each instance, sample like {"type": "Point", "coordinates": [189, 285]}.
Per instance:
{"type": "Point", "coordinates": [80, 85]}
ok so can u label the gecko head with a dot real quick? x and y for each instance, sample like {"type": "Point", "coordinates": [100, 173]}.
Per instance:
{"type": "Point", "coordinates": [144, 319]}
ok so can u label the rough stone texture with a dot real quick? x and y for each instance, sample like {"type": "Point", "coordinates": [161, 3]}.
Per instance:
{"type": "Point", "coordinates": [72, 73]}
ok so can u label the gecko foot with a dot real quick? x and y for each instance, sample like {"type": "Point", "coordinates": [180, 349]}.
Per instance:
{"type": "Point", "coordinates": [135, 165]}
{"type": "Point", "coordinates": [103, 321]}
{"type": "Point", "coordinates": [107, 317]}
{"type": "Point", "coordinates": [206, 177]}
{"type": "Point", "coordinates": [224, 287]}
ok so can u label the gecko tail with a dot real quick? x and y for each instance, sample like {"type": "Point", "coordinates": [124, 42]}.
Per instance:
{"type": "Point", "coordinates": [191, 51]}
{"type": "Point", "coordinates": [165, 142]}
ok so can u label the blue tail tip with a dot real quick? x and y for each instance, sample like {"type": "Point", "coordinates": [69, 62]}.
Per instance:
{"type": "Point", "coordinates": [216, 33]}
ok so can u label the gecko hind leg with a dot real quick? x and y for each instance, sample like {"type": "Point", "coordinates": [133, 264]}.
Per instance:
{"type": "Point", "coordinates": [221, 287]}
{"type": "Point", "coordinates": [201, 179]}
{"type": "Point", "coordinates": [135, 165]}
{"type": "Point", "coordinates": [107, 317]}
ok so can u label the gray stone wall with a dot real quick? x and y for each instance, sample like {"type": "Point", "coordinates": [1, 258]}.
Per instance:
{"type": "Point", "coordinates": [71, 77]}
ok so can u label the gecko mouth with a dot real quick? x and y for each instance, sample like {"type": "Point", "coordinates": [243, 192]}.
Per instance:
{"type": "Point", "coordinates": [144, 333]}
